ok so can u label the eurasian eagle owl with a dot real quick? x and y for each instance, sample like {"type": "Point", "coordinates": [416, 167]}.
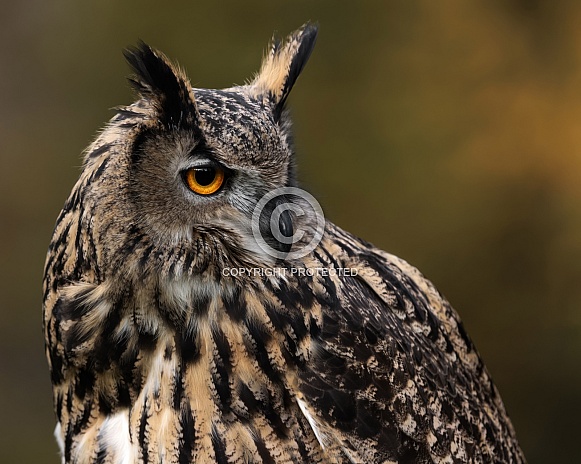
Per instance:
{"type": "Point", "coordinates": [174, 335]}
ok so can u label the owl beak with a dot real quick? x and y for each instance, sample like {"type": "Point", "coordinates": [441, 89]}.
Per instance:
{"type": "Point", "coordinates": [285, 225]}
{"type": "Point", "coordinates": [276, 225]}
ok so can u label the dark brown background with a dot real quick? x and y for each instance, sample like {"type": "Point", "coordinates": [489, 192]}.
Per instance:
{"type": "Point", "coordinates": [444, 132]}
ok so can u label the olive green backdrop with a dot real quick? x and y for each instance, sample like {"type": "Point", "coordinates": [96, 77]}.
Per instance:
{"type": "Point", "coordinates": [446, 132]}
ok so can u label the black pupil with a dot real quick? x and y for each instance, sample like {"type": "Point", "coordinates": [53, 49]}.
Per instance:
{"type": "Point", "coordinates": [205, 176]}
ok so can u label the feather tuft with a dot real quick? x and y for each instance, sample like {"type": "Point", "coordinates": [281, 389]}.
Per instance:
{"type": "Point", "coordinates": [158, 80]}
{"type": "Point", "coordinates": [283, 65]}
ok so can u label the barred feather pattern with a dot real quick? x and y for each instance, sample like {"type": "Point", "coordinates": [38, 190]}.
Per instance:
{"type": "Point", "coordinates": [380, 360]}
{"type": "Point", "coordinates": [157, 356]}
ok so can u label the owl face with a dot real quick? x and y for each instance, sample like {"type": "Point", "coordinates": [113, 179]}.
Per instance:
{"type": "Point", "coordinates": [184, 168]}
{"type": "Point", "coordinates": [184, 178]}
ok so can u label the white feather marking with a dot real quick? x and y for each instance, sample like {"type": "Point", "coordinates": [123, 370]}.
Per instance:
{"type": "Point", "coordinates": [312, 422]}
{"type": "Point", "coordinates": [59, 439]}
{"type": "Point", "coordinates": [114, 434]}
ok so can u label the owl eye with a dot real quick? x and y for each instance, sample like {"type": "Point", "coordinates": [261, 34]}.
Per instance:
{"type": "Point", "coordinates": [204, 180]}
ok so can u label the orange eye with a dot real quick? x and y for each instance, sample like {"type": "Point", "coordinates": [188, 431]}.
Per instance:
{"type": "Point", "coordinates": [204, 180]}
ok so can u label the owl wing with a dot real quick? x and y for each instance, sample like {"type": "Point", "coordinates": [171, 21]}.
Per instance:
{"type": "Point", "coordinates": [393, 376]}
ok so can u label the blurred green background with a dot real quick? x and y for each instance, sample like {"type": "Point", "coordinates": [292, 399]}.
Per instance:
{"type": "Point", "coordinates": [446, 132]}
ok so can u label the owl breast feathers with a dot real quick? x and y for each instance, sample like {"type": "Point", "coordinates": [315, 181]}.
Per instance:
{"type": "Point", "coordinates": [160, 353]}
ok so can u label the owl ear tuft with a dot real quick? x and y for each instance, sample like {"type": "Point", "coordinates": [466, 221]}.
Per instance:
{"type": "Point", "coordinates": [282, 66]}
{"type": "Point", "coordinates": [164, 84]}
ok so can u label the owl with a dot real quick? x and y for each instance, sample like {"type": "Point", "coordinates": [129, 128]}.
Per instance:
{"type": "Point", "coordinates": [199, 309]}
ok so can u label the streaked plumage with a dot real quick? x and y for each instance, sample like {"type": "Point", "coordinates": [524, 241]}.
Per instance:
{"type": "Point", "coordinates": [157, 356]}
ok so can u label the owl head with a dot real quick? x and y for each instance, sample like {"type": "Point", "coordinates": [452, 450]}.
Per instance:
{"type": "Point", "coordinates": [178, 173]}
